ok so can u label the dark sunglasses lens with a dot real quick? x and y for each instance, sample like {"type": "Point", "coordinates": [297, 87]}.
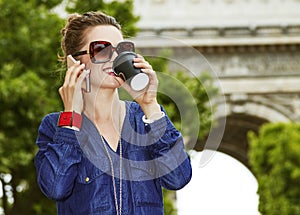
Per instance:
{"type": "Point", "coordinates": [100, 51]}
{"type": "Point", "coordinates": [125, 47]}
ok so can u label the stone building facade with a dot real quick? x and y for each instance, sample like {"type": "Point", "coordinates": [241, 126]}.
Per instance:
{"type": "Point", "coordinates": [251, 47]}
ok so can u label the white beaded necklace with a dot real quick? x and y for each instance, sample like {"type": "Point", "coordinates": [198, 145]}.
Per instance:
{"type": "Point", "coordinates": [118, 208]}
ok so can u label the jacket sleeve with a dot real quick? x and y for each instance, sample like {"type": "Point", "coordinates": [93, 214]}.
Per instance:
{"type": "Point", "coordinates": [167, 150]}
{"type": "Point", "coordinates": [57, 158]}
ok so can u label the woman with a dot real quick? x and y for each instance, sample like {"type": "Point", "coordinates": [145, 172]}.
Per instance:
{"type": "Point", "coordinates": [102, 155]}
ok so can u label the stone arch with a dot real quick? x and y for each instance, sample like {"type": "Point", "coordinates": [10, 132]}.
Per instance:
{"type": "Point", "coordinates": [242, 117]}
{"type": "Point", "coordinates": [269, 113]}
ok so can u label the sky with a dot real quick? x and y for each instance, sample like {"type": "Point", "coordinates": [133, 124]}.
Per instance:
{"type": "Point", "coordinates": [224, 186]}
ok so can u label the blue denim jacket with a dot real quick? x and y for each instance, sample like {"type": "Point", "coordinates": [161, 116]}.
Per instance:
{"type": "Point", "coordinates": [74, 170]}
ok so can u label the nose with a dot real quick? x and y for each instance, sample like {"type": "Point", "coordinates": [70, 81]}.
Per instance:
{"type": "Point", "coordinates": [114, 55]}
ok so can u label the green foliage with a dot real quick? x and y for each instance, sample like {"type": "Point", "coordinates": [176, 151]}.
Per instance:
{"type": "Point", "coordinates": [29, 43]}
{"type": "Point", "coordinates": [186, 98]}
{"type": "Point", "coordinates": [49, 4]}
{"type": "Point", "coordinates": [121, 10]}
{"type": "Point", "coordinates": [275, 158]}
{"type": "Point", "coordinates": [29, 39]}
{"type": "Point", "coordinates": [169, 197]}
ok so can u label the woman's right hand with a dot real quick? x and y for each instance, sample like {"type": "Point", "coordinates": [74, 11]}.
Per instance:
{"type": "Point", "coordinates": [71, 92]}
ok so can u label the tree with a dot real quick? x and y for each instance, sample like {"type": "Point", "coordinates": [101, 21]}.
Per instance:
{"type": "Point", "coordinates": [183, 94]}
{"type": "Point", "coordinates": [121, 10]}
{"type": "Point", "coordinates": [275, 159]}
{"type": "Point", "coordinates": [27, 92]}
{"type": "Point", "coordinates": [30, 42]}
{"type": "Point", "coordinates": [185, 99]}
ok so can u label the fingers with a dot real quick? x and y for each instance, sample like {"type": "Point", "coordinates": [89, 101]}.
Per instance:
{"type": "Point", "coordinates": [73, 73]}
{"type": "Point", "coordinates": [70, 91]}
{"type": "Point", "coordinates": [147, 95]}
{"type": "Point", "coordinates": [140, 62]}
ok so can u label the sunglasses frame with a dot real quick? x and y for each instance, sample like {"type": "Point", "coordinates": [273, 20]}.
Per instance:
{"type": "Point", "coordinates": [92, 50]}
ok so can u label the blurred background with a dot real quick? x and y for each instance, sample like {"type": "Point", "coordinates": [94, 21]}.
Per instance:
{"type": "Point", "coordinates": [238, 59]}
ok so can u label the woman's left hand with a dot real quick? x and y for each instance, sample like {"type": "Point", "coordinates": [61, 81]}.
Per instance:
{"type": "Point", "coordinates": [147, 97]}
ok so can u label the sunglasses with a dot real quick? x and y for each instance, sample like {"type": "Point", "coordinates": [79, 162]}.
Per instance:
{"type": "Point", "coordinates": [102, 51]}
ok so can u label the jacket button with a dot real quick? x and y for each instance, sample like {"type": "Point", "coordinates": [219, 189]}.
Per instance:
{"type": "Point", "coordinates": [87, 179]}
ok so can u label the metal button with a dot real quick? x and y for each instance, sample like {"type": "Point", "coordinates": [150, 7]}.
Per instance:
{"type": "Point", "coordinates": [87, 179]}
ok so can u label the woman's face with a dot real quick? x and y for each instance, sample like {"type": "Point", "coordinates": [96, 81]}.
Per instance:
{"type": "Point", "coordinates": [102, 74]}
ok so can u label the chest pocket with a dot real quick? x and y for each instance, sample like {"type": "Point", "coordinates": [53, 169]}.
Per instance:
{"type": "Point", "coordinates": [88, 172]}
{"type": "Point", "coordinates": [91, 191]}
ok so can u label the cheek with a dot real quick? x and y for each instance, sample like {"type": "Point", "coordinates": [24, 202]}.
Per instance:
{"type": "Point", "coordinates": [96, 69]}
{"type": "Point", "coordinates": [97, 75]}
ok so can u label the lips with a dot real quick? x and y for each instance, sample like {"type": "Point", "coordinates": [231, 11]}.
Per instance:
{"type": "Point", "coordinates": [109, 71]}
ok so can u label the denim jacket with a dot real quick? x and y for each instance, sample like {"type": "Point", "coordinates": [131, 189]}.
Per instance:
{"type": "Point", "coordinates": [73, 167]}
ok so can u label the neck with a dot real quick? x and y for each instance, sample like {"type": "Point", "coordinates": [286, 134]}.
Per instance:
{"type": "Point", "coordinates": [103, 105]}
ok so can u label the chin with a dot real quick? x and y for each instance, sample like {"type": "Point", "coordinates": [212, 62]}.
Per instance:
{"type": "Point", "coordinates": [111, 84]}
